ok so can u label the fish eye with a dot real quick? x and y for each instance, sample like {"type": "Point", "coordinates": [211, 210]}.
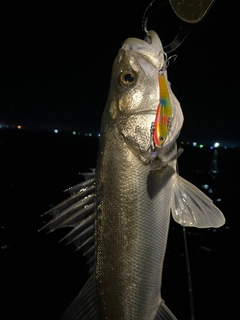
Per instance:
{"type": "Point", "coordinates": [127, 78]}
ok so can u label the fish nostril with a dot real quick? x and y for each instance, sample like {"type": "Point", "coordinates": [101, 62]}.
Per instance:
{"type": "Point", "coordinates": [148, 39]}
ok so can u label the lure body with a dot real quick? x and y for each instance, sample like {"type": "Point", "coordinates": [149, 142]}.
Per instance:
{"type": "Point", "coordinates": [162, 123]}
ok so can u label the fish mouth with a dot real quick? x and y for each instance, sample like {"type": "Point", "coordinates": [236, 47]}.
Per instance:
{"type": "Point", "coordinates": [143, 112]}
{"type": "Point", "coordinates": [146, 51]}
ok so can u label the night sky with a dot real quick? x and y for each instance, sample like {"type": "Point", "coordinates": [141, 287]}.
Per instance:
{"type": "Point", "coordinates": [56, 60]}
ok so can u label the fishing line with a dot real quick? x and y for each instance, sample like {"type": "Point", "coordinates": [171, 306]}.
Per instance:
{"type": "Point", "coordinates": [185, 11]}
{"type": "Point", "coordinates": [190, 289]}
{"type": "Point", "coordinates": [149, 10]}
{"type": "Point", "coordinates": [181, 35]}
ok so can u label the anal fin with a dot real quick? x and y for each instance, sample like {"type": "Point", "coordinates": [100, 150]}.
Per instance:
{"type": "Point", "coordinates": [85, 305]}
{"type": "Point", "coordinates": [164, 313]}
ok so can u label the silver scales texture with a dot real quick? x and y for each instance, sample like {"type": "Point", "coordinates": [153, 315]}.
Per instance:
{"type": "Point", "coordinates": [132, 229]}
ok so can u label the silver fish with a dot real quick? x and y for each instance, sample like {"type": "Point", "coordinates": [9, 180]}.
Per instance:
{"type": "Point", "coordinates": [120, 214]}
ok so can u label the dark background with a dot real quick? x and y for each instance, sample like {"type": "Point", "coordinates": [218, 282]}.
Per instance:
{"type": "Point", "coordinates": [40, 277]}
{"type": "Point", "coordinates": [55, 66]}
{"type": "Point", "coordinates": [56, 59]}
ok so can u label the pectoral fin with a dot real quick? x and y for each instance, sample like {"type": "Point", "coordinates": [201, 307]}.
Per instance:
{"type": "Point", "coordinates": [191, 207]}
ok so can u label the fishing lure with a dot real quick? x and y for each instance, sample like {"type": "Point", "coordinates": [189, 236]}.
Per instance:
{"type": "Point", "coordinates": [163, 118]}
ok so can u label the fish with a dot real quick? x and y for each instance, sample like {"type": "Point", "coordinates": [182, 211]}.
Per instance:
{"type": "Point", "coordinates": [120, 213]}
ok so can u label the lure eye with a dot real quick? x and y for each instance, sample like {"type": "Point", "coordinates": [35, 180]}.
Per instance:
{"type": "Point", "coordinates": [127, 78]}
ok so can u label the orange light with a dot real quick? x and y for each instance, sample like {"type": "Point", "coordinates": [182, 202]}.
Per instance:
{"type": "Point", "coordinates": [19, 127]}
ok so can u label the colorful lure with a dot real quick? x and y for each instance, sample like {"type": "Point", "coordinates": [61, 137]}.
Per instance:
{"type": "Point", "coordinates": [163, 118]}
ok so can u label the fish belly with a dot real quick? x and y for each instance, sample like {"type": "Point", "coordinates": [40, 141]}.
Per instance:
{"type": "Point", "coordinates": [133, 213]}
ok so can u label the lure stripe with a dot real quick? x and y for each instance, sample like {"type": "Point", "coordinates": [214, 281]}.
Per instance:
{"type": "Point", "coordinates": [163, 115]}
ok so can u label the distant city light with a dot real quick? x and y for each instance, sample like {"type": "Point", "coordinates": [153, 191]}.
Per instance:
{"type": "Point", "coordinates": [205, 186]}
{"type": "Point", "coordinates": [55, 130]}
{"type": "Point", "coordinates": [19, 127]}
{"type": "Point", "coordinates": [216, 144]}
{"type": "Point", "coordinates": [5, 246]}
{"type": "Point", "coordinates": [90, 134]}
{"type": "Point", "coordinates": [201, 146]}
{"type": "Point", "coordinates": [194, 144]}
{"type": "Point", "coordinates": [74, 133]}
{"type": "Point", "coordinates": [99, 135]}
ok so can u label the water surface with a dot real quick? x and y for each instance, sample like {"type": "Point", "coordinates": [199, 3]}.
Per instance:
{"type": "Point", "coordinates": [40, 277]}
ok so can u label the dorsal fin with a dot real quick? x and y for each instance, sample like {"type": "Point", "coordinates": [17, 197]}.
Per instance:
{"type": "Point", "coordinates": [77, 212]}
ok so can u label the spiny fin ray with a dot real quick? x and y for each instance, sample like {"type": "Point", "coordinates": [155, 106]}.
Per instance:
{"type": "Point", "coordinates": [77, 212]}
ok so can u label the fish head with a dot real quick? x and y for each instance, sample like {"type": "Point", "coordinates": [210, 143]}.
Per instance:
{"type": "Point", "coordinates": [134, 94]}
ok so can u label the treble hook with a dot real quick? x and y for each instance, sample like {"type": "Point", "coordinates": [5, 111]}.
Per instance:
{"type": "Point", "coordinates": [167, 61]}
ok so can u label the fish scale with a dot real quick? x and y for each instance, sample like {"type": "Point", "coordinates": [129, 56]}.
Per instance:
{"type": "Point", "coordinates": [138, 251]}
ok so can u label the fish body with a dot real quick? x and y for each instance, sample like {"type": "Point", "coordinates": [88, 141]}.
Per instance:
{"type": "Point", "coordinates": [133, 222]}
{"type": "Point", "coordinates": [133, 200]}
{"type": "Point", "coordinates": [120, 215]}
